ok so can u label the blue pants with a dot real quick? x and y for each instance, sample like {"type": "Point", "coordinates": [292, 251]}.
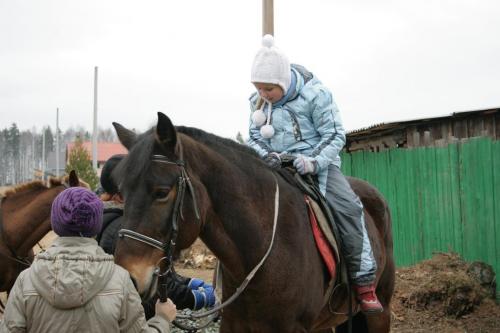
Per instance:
{"type": "Point", "coordinates": [349, 216]}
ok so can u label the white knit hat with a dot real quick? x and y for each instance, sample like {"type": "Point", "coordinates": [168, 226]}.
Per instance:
{"type": "Point", "coordinates": [271, 65]}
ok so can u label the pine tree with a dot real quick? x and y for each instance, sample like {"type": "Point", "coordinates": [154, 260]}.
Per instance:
{"type": "Point", "coordinates": [4, 158]}
{"type": "Point", "coordinates": [49, 141]}
{"type": "Point", "coordinates": [80, 161]}
{"type": "Point", "coordinates": [13, 141]}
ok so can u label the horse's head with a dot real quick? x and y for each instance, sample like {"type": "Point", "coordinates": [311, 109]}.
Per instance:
{"type": "Point", "coordinates": [161, 212]}
{"type": "Point", "coordinates": [24, 220]}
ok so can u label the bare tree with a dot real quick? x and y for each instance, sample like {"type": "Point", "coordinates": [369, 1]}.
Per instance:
{"type": "Point", "coordinates": [106, 135]}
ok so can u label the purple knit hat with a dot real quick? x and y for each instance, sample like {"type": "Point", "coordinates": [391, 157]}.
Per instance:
{"type": "Point", "coordinates": [77, 211]}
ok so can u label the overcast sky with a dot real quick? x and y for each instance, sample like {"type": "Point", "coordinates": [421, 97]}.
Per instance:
{"type": "Point", "coordinates": [383, 60]}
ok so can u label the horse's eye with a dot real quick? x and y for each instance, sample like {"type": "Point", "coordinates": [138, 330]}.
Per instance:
{"type": "Point", "coordinates": [161, 194]}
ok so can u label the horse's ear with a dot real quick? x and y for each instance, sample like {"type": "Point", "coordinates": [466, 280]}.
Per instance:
{"type": "Point", "coordinates": [73, 179]}
{"type": "Point", "coordinates": [126, 136]}
{"type": "Point", "coordinates": [165, 131]}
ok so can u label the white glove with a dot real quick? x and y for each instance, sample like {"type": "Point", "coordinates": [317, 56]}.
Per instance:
{"type": "Point", "coordinates": [305, 164]}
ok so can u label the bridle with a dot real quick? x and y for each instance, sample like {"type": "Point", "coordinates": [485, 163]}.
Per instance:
{"type": "Point", "coordinates": [183, 183]}
{"type": "Point", "coordinates": [169, 246]}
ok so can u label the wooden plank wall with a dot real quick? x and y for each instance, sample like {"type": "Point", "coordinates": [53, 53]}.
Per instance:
{"type": "Point", "coordinates": [441, 198]}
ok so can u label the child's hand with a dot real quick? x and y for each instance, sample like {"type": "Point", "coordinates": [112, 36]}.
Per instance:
{"type": "Point", "coordinates": [273, 160]}
{"type": "Point", "coordinates": [305, 164]}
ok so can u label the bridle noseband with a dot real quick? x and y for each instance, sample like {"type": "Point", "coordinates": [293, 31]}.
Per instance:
{"type": "Point", "coordinates": [183, 182]}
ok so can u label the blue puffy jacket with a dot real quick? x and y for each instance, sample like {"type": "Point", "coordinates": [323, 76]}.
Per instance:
{"type": "Point", "coordinates": [306, 121]}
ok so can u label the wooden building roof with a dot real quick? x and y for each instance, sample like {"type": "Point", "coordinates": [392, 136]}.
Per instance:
{"type": "Point", "coordinates": [436, 131]}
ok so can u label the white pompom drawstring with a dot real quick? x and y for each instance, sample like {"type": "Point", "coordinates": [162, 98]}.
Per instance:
{"type": "Point", "coordinates": [258, 118]}
{"type": "Point", "coordinates": [267, 131]}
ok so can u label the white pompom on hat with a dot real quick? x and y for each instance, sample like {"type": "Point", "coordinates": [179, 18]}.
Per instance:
{"type": "Point", "coordinates": [270, 65]}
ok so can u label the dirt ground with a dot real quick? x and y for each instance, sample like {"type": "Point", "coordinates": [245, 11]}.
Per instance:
{"type": "Point", "coordinates": [446, 294]}
{"type": "Point", "coordinates": [443, 294]}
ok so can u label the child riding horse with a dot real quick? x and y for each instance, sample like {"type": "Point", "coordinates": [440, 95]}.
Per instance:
{"type": "Point", "coordinates": [181, 183]}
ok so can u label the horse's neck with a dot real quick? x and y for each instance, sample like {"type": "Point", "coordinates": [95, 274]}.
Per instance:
{"type": "Point", "coordinates": [26, 218]}
{"type": "Point", "coordinates": [242, 210]}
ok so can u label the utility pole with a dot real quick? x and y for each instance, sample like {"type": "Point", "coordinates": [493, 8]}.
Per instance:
{"type": "Point", "coordinates": [94, 133]}
{"type": "Point", "coordinates": [267, 17]}
{"type": "Point", "coordinates": [57, 142]}
{"type": "Point", "coordinates": [43, 153]}
{"type": "Point", "coordinates": [33, 150]}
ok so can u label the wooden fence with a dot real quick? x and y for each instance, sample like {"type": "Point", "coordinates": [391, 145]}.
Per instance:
{"type": "Point", "coordinates": [441, 198]}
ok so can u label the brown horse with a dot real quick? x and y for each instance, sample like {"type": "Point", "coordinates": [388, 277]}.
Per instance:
{"type": "Point", "coordinates": [231, 200]}
{"type": "Point", "coordinates": [24, 220]}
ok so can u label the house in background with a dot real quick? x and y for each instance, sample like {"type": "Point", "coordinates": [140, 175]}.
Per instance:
{"type": "Point", "coordinates": [104, 151]}
{"type": "Point", "coordinates": [426, 132]}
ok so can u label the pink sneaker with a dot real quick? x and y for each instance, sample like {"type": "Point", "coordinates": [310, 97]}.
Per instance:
{"type": "Point", "coordinates": [367, 298]}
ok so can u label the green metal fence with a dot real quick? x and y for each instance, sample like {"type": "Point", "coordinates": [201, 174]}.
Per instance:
{"type": "Point", "coordinates": [441, 198]}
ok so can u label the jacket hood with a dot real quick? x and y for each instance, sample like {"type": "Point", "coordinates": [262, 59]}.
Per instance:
{"type": "Point", "coordinates": [71, 271]}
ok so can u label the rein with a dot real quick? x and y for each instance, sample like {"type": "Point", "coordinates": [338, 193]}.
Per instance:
{"type": "Point", "coordinates": [168, 247]}
{"type": "Point", "coordinates": [250, 275]}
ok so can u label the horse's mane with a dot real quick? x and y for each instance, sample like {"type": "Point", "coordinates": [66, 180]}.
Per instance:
{"type": "Point", "coordinates": [144, 146]}
{"type": "Point", "coordinates": [38, 185]}
{"type": "Point", "coordinates": [216, 142]}
{"type": "Point", "coordinates": [33, 185]}
{"type": "Point", "coordinates": [3, 190]}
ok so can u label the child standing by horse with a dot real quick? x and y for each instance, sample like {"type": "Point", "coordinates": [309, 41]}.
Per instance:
{"type": "Point", "coordinates": [74, 286]}
{"type": "Point", "coordinates": [294, 113]}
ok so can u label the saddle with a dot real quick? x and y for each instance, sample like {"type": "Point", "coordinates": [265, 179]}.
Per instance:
{"type": "Point", "coordinates": [322, 221]}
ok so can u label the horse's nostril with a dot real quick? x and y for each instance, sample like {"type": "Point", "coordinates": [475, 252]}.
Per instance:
{"type": "Point", "coordinates": [134, 282]}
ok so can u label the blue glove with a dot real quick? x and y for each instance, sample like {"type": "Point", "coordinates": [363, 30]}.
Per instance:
{"type": "Point", "coordinates": [305, 164]}
{"type": "Point", "coordinates": [273, 160]}
{"type": "Point", "coordinates": [204, 297]}
{"type": "Point", "coordinates": [195, 283]}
